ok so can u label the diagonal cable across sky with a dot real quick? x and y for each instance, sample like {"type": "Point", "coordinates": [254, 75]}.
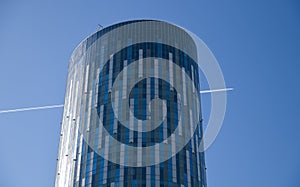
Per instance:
{"type": "Point", "coordinates": [61, 105]}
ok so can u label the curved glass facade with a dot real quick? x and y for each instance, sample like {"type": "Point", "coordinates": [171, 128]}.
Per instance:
{"type": "Point", "coordinates": [132, 109]}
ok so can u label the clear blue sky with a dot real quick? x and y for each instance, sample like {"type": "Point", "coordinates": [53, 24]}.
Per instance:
{"type": "Point", "coordinates": [257, 44]}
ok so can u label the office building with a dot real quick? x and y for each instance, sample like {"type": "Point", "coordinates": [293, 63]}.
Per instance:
{"type": "Point", "coordinates": [132, 109]}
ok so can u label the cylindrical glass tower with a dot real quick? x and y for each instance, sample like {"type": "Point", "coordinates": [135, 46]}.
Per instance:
{"type": "Point", "coordinates": [132, 109]}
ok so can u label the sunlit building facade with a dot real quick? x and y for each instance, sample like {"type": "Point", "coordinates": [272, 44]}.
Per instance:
{"type": "Point", "coordinates": [132, 109]}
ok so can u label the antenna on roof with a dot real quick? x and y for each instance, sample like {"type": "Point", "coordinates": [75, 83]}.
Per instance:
{"type": "Point", "coordinates": [100, 26]}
